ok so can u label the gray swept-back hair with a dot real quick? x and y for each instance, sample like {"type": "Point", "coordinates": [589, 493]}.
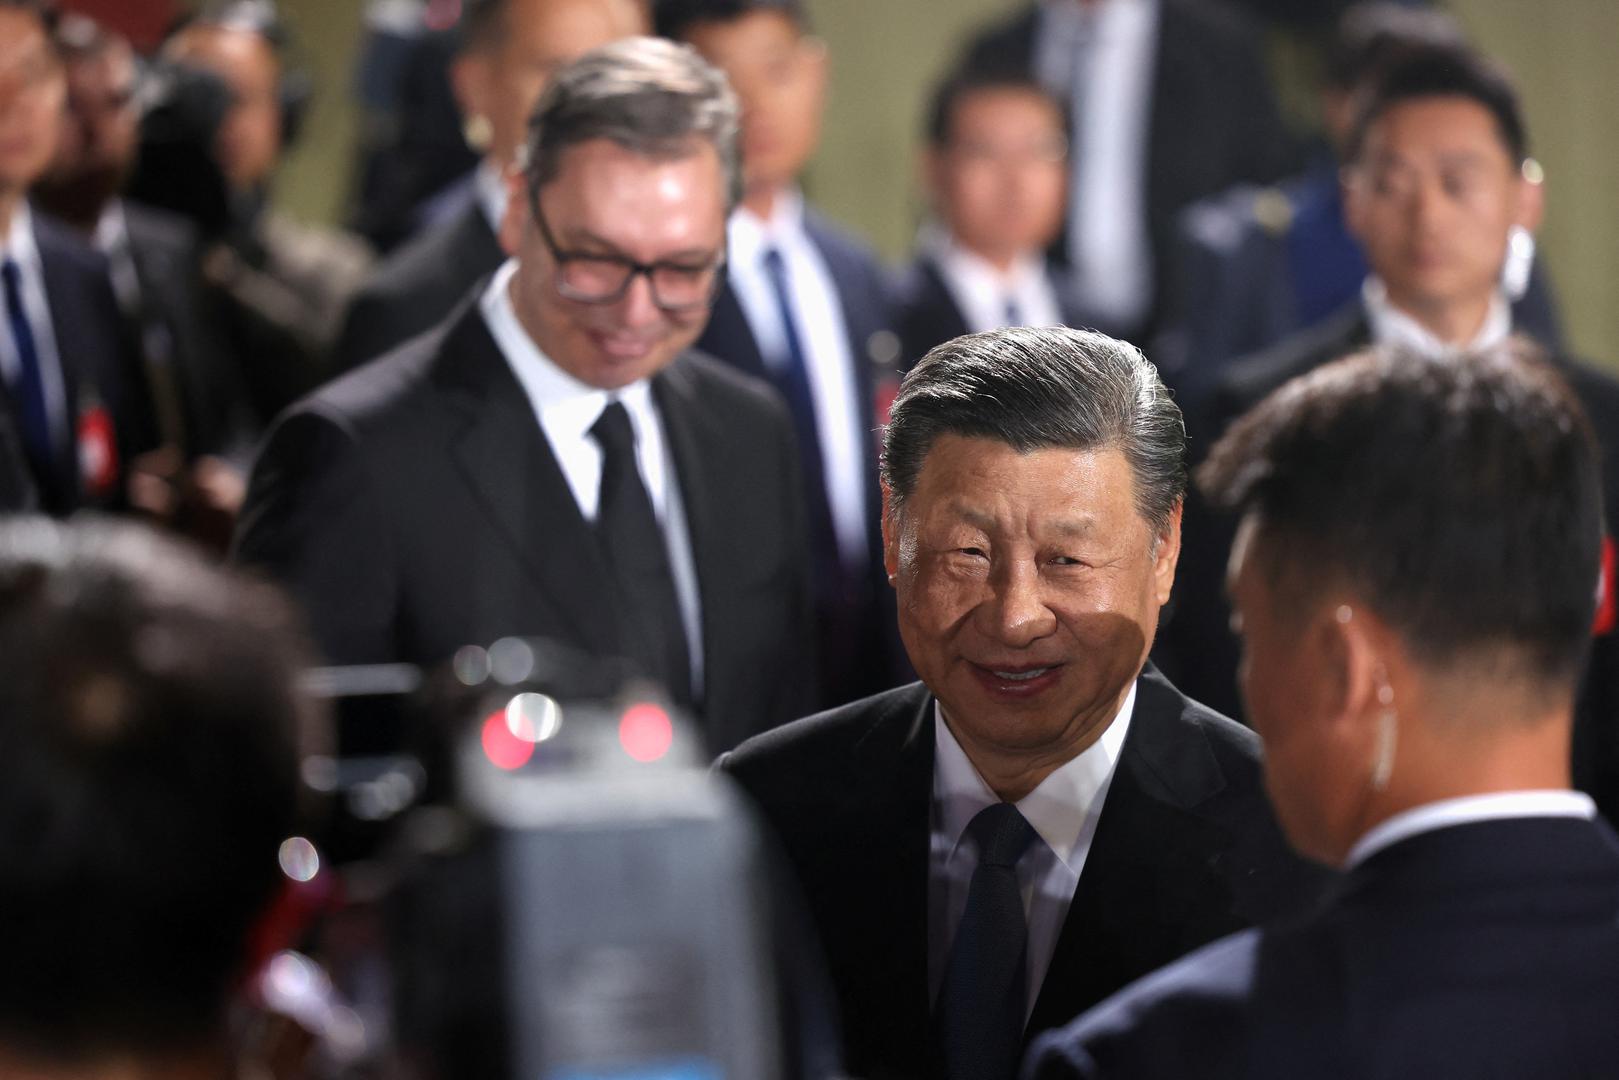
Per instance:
{"type": "Point", "coordinates": [650, 96]}
{"type": "Point", "coordinates": [1040, 388]}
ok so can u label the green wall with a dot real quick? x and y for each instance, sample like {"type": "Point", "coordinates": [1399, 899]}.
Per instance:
{"type": "Point", "coordinates": [886, 53]}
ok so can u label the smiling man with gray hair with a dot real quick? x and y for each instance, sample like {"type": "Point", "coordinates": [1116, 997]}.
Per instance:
{"type": "Point", "coordinates": [1043, 817]}
{"type": "Point", "coordinates": [554, 460]}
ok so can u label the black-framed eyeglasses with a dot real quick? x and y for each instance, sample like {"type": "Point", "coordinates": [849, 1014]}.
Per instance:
{"type": "Point", "coordinates": [604, 279]}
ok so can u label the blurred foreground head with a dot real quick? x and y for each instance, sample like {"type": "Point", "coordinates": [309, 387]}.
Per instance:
{"type": "Point", "coordinates": [1415, 579]}
{"type": "Point", "coordinates": [149, 738]}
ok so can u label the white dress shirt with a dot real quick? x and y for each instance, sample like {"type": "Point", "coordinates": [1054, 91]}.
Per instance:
{"type": "Point", "coordinates": [824, 336]}
{"type": "Point", "coordinates": [982, 292]}
{"type": "Point", "coordinates": [1064, 811]}
{"type": "Point", "coordinates": [567, 409]}
{"type": "Point", "coordinates": [1391, 326]}
{"type": "Point", "coordinates": [18, 245]}
{"type": "Point", "coordinates": [1101, 58]}
{"type": "Point", "coordinates": [1468, 809]}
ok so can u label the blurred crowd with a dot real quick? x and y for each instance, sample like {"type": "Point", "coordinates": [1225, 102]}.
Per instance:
{"type": "Point", "coordinates": [463, 416]}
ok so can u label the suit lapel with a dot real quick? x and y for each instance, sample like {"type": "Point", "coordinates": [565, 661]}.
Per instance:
{"type": "Point", "coordinates": [943, 314]}
{"type": "Point", "coordinates": [1151, 874]}
{"type": "Point", "coordinates": [505, 458]}
{"type": "Point", "coordinates": [889, 859]}
{"type": "Point", "coordinates": [68, 308]}
{"type": "Point", "coordinates": [729, 338]}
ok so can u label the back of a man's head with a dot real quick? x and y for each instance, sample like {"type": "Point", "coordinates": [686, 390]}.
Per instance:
{"type": "Point", "coordinates": [149, 736]}
{"type": "Point", "coordinates": [1459, 498]}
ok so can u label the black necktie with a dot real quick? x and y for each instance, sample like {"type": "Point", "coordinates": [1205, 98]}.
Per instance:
{"type": "Point", "coordinates": [634, 544]}
{"type": "Point", "coordinates": [978, 1021]}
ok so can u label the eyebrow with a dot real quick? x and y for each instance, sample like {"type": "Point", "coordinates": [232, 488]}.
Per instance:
{"type": "Point", "coordinates": [585, 236]}
{"type": "Point", "coordinates": [1082, 525]}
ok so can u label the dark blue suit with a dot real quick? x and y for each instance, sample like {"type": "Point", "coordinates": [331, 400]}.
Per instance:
{"type": "Point", "coordinates": [857, 647]}
{"type": "Point", "coordinates": [99, 376]}
{"type": "Point", "coordinates": [1484, 950]}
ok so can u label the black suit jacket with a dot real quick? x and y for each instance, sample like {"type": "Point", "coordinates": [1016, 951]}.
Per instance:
{"type": "Point", "coordinates": [1196, 644]}
{"type": "Point", "coordinates": [1185, 852]}
{"type": "Point", "coordinates": [1487, 950]}
{"type": "Point", "coordinates": [415, 506]}
{"type": "Point", "coordinates": [215, 412]}
{"type": "Point", "coordinates": [417, 286]}
{"type": "Point", "coordinates": [927, 314]}
{"type": "Point", "coordinates": [1213, 120]}
{"type": "Point", "coordinates": [16, 486]}
{"type": "Point", "coordinates": [99, 376]}
{"type": "Point", "coordinates": [859, 650]}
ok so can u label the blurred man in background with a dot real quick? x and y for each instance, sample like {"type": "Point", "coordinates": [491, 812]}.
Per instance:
{"type": "Point", "coordinates": [70, 383]}
{"type": "Point", "coordinates": [1169, 101]}
{"type": "Point", "coordinates": [805, 306]}
{"type": "Point", "coordinates": [150, 733]}
{"type": "Point", "coordinates": [1413, 580]}
{"type": "Point", "coordinates": [996, 174]}
{"type": "Point", "coordinates": [198, 401]}
{"type": "Point", "coordinates": [1256, 264]}
{"type": "Point", "coordinates": [284, 284]}
{"type": "Point", "coordinates": [509, 51]}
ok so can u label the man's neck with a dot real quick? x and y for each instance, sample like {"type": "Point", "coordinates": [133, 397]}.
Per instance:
{"type": "Point", "coordinates": [1456, 324]}
{"type": "Point", "coordinates": [1013, 773]}
{"type": "Point", "coordinates": [9, 203]}
{"type": "Point", "coordinates": [761, 201]}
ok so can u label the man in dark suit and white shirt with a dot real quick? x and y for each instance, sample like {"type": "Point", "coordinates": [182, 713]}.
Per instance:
{"type": "Point", "coordinates": [1169, 101]}
{"type": "Point", "coordinates": [1413, 575]}
{"type": "Point", "coordinates": [805, 305]}
{"type": "Point", "coordinates": [65, 368]}
{"type": "Point", "coordinates": [553, 461]}
{"type": "Point", "coordinates": [996, 172]}
{"type": "Point", "coordinates": [1042, 818]}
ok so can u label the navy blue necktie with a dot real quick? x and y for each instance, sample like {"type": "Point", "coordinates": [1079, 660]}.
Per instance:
{"type": "Point", "coordinates": [28, 389]}
{"type": "Point", "coordinates": [792, 380]}
{"type": "Point", "coordinates": [633, 541]}
{"type": "Point", "coordinates": [978, 1021]}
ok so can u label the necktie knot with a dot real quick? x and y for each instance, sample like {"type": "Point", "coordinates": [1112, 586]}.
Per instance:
{"type": "Point", "coordinates": [1002, 835]}
{"type": "Point", "coordinates": [612, 430]}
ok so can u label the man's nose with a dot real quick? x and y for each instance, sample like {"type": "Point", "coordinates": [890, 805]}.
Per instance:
{"type": "Point", "coordinates": [638, 307]}
{"type": "Point", "coordinates": [1017, 610]}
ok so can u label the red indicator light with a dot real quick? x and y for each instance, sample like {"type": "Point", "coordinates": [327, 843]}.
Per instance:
{"type": "Point", "coordinates": [645, 732]}
{"type": "Point", "coordinates": [501, 747]}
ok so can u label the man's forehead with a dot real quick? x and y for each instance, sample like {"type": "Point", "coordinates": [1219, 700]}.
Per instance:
{"type": "Point", "coordinates": [1447, 124]}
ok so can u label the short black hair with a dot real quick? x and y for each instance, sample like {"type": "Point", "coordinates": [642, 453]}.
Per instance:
{"type": "Point", "coordinates": [149, 736]}
{"type": "Point", "coordinates": [963, 82]}
{"type": "Point", "coordinates": [1459, 496]}
{"type": "Point", "coordinates": [1372, 35]}
{"type": "Point", "coordinates": [674, 18]}
{"type": "Point", "coordinates": [1442, 72]}
{"type": "Point", "coordinates": [1038, 388]}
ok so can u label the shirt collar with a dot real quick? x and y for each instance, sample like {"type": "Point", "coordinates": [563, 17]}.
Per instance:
{"type": "Point", "coordinates": [112, 229]}
{"type": "Point", "coordinates": [1057, 808]}
{"type": "Point", "coordinates": [19, 244]}
{"type": "Point", "coordinates": [749, 235]}
{"type": "Point", "coordinates": [489, 188]}
{"type": "Point", "coordinates": [566, 406]}
{"type": "Point", "coordinates": [1026, 271]}
{"type": "Point", "coordinates": [1391, 326]}
{"type": "Point", "coordinates": [1465, 810]}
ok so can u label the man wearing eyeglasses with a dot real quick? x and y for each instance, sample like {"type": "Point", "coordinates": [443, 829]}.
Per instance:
{"type": "Point", "coordinates": [553, 460]}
